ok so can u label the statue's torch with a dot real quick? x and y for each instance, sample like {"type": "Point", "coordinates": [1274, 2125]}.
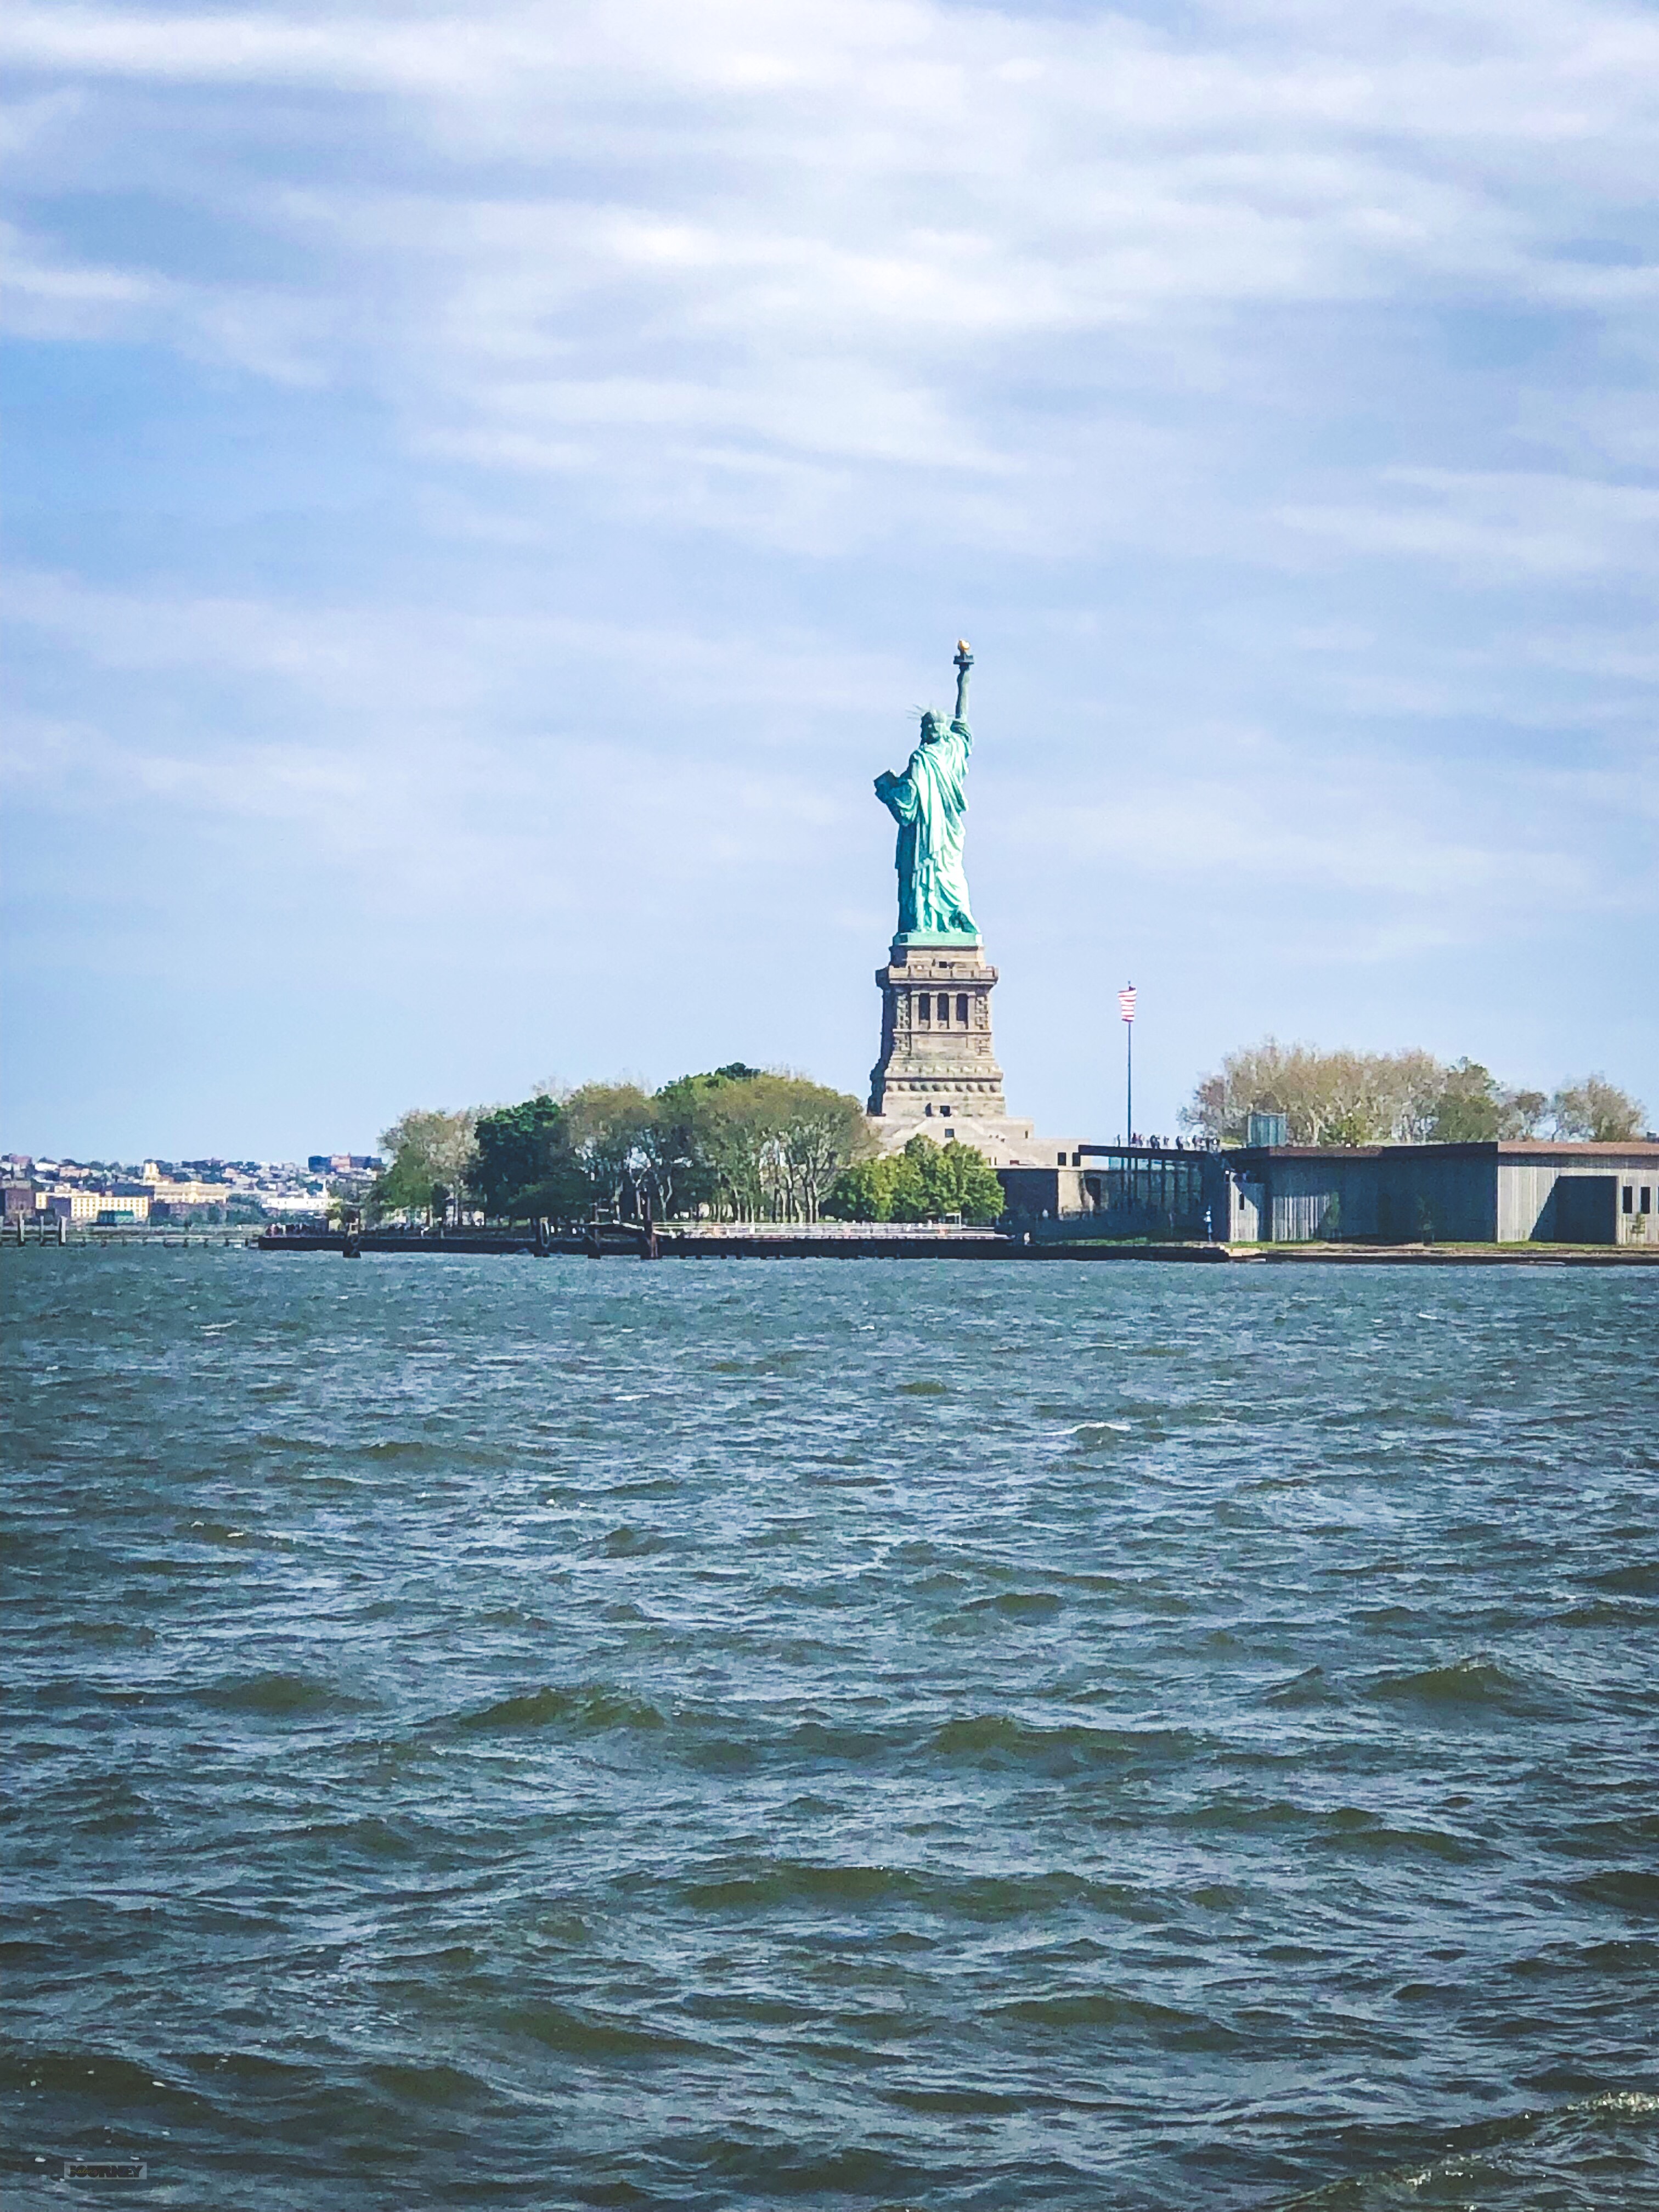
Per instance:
{"type": "Point", "coordinates": [964, 662]}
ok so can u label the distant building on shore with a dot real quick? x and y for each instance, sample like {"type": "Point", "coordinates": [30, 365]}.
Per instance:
{"type": "Point", "coordinates": [109, 1207]}
{"type": "Point", "coordinates": [1494, 1193]}
{"type": "Point", "coordinates": [1486, 1193]}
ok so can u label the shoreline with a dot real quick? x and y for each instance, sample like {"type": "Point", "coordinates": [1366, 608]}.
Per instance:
{"type": "Point", "coordinates": [851, 1241]}
{"type": "Point", "coordinates": [781, 1242]}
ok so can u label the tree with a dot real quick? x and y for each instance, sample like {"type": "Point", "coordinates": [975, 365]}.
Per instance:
{"type": "Point", "coordinates": [820, 1131]}
{"type": "Point", "coordinates": [908, 1195]}
{"type": "Point", "coordinates": [563, 1194]}
{"type": "Point", "coordinates": [1396, 1097]}
{"type": "Point", "coordinates": [1596, 1110]}
{"type": "Point", "coordinates": [964, 1182]}
{"type": "Point", "coordinates": [684, 1180]}
{"type": "Point", "coordinates": [734, 1135]}
{"type": "Point", "coordinates": [1327, 1097]}
{"type": "Point", "coordinates": [1522, 1112]}
{"type": "Point", "coordinates": [430, 1155]}
{"type": "Point", "coordinates": [924, 1183]}
{"type": "Point", "coordinates": [1470, 1108]}
{"type": "Point", "coordinates": [756, 1145]}
{"type": "Point", "coordinates": [979, 1187]}
{"type": "Point", "coordinates": [607, 1125]}
{"type": "Point", "coordinates": [1474, 1109]}
{"type": "Point", "coordinates": [863, 1192]}
{"type": "Point", "coordinates": [516, 1147]}
{"type": "Point", "coordinates": [774, 1143]}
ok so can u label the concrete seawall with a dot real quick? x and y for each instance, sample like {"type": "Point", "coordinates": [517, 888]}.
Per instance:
{"type": "Point", "coordinates": [768, 1244]}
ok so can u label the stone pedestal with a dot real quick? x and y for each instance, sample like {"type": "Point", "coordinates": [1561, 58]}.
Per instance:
{"type": "Point", "coordinates": [936, 1049]}
{"type": "Point", "coordinates": [937, 1075]}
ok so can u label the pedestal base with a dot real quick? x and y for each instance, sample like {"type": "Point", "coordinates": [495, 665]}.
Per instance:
{"type": "Point", "coordinates": [938, 1075]}
{"type": "Point", "coordinates": [937, 1058]}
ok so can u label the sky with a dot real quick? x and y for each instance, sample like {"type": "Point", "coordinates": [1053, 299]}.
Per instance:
{"type": "Point", "coordinates": [488, 489]}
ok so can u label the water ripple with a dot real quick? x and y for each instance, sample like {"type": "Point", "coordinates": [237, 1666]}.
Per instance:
{"type": "Point", "coordinates": [534, 1734]}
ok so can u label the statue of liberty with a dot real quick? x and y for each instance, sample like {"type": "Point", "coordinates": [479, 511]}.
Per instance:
{"type": "Point", "coordinates": [928, 802]}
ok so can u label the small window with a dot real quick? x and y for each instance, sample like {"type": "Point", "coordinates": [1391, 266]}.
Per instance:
{"type": "Point", "coordinates": [1060, 1161]}
{"type": "Point", "coordinates": [962, 1008]}
{"type": "Point", "coordinates": [944, 1006]}
{"type": "Point", "coordinates": [945, 1111]}
{"type": "Point", "coordinates": [1628, 1198]}
{"type": "Point", "coordinates": [1646, 1205]}
{"type": "Point", "coordinates": [927, 1110]}
{"type": "Point", "coordinates": [925, 1008]}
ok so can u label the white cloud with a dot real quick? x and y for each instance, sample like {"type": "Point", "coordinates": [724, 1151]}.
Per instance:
{"type": "Point", "coordinates": [59, 300]}
{"type": "Point", "coordinates": [845, 231]}
{"type": "Point", "coordinates": [1494, 524]}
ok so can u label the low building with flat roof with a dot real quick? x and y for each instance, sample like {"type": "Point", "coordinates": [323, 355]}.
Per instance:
{"type": "Point", "coordinates": [1493, 1194]}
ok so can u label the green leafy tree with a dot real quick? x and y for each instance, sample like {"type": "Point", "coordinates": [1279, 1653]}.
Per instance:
{"type": "Point", "coordinates": [1596, 1111]}
{"type": "Point", "coordinates": [863, 1192]}
{"type": "Point", "coordinates": [609, 1126]}
{"type": "Point", "coordinates": [819, 1132]}
{"type": "Point", "coordinates": [563, 1194]}
{"type": "Point", "coordinates": [516, 1147]}
{"type": "Point", "coordinates": [1470, 1108]}
{"type": "Point", "coordinates": [924, 1183]}
{"type": "Point", "coordinates": [970, 1181]}
{"type": "Point", "coordinates": [523, 1168]}
{"type": "Point", "coordinates": [909, 1196]}
{"type": "Point", "coordinates": [1473, 1108]}
{"type": "Point", "coordinates": [684, 1179]}
{"type": "Point", "coordinates": [775, 1144]}
{"type": "Point", "coordinates": [429, 1156]}
{"type": "Point", "coordinates": [934, 1180]}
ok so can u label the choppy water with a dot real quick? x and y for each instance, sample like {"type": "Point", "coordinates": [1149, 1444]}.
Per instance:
{"type": "Point", "coordinates": [848, 1734]}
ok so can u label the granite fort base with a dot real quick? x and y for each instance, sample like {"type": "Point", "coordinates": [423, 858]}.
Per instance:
{"type": "Point", "coordinates": [938, 1073]}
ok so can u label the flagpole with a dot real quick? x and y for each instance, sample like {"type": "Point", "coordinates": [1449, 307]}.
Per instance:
{"type": "Point", "coordinates": [1126, 1009]}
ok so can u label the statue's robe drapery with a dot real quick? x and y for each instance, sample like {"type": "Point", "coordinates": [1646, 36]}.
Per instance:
{"type": "Point", "coordinates": [928, 802]}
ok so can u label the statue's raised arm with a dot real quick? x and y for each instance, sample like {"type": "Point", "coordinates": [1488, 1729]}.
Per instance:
{"type": "Point", "coordinates": [928, 802]}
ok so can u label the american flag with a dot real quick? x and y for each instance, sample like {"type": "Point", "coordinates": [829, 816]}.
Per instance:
{"type": "Point", "coordinates": [1126, 1002]}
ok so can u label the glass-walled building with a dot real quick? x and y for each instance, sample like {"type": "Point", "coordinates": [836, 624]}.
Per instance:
{"type": "Point", "coordinates": [1164, 1192]}
{"type": "Point", "coordinates": [1515, 1192]}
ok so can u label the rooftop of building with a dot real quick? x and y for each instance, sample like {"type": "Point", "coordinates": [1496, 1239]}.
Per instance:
{"type": "Point", "coordinates": [1644, 1147]}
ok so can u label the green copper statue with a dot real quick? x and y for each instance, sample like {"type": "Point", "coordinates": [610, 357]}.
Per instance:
{"type": "Point", "coordinates": [928, 802]}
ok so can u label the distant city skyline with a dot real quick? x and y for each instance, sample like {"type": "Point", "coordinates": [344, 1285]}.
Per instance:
{"type": "Point", "coordinates": [485, 490]}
